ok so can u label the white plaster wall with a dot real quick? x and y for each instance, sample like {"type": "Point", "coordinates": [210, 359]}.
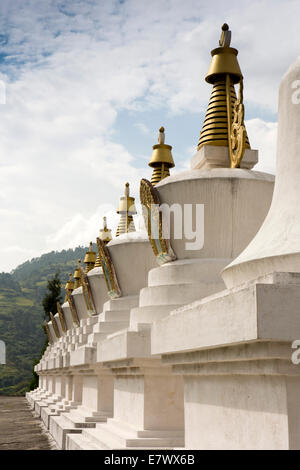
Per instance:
{"type": "Point", "coordinates": [97, 392]}
{"type": "Point", "coordinates": [132, 258]}
{"type": "Point", "coordinates": [226, 412]}
{"type": "Point", "coordinates": [60, 385]}
{"type": "Point", "coordinates": [53, 335]}
{"type": "Point", "coordinates": [277, 244]}
{"type": "Point", "coordinates": [129, 400]}
{"type": "Point", "coordinates": [77, 388]}
{"type": "Point", "coordinates": [43, 382]}
{"type": "Point", "coordinates": [51, 384]}
{"type": "Point", "coordinates": [68, 387]}
{"type": "Point", "coordinates": [79, 303]}
{"type": "Point", "coordinates": [56, 316]}
{"type": "Point", "coordinates": [106, 390]}
{"type": "Point", "coordinates": [68, 316]}
{"type": "Point", "coordinates": [90, 392]}
{"type": "Point", "coordinates": [98, 288]}
{"type": "Point", "coordinates": [236, 202]}
{"type": "Point", "coordinates": [163, 402]}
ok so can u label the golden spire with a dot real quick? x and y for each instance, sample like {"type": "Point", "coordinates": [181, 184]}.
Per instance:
{"type": "Point", "coordinates": [224, 109]}
{"type": "Point", "coordinates": [106, 237]}
{"type": "Point", "coordinates": [90, 258]}
{"type": "Point", "coordinates": [126, 210]}
{"type": "Point", "coordinates": [161, 159]}
{"type": "Point", "coordinates": [76, 275]}
{"type": "Point", "coordinates": [69, 285]}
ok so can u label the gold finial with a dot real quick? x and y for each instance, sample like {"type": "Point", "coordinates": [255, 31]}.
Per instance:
{"type": "Point", "coordinates": [69, 287]}
{"type": "Point", "coordinates": [76, 275]}
{"type": "Point", "coordinates": [90, 258]}
{"type": "Point", "coordinates": [224, 121]}
{"type": "Point", "coordinates": [106, 237]}
{"type": "Point", "coordinates": [70, 284]}
{"type": "Point", "coordinates": [161, 135]}
{"type": "Point", "coordinates": [224, 60]}
{"type": "Point", "coordinates": [126, 210]}
{"type": "Point", "coordinates": [161, 159]}
{"type": "Point", "coordinates": [105, 233]}
{"type": "Point", "coordinates": [225, 38]}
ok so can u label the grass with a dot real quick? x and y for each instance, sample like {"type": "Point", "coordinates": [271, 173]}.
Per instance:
{"type": "Point", "coordinates": [23, 302]}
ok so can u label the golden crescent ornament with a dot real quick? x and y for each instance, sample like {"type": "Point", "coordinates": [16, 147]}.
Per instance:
{"type": "Point", "coordinates": [61, 317]}
{"type": "Point", "coordinates": [150, 201]}
{"type": "Point", "coordinates": [108, 269]}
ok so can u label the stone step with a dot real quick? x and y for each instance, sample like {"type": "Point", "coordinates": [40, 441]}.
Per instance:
{"type": "Point", "coordinates": [92, 320]}
{"type": "Point", "coordinates": [121, 303]}
{"type": "Point", "coordinates": [59, 428]}
{"type": "Point", "coordinates": [187, 271]}
{"type": "Point", "coordinates": [87, 329]}
{"type": "Point", "coordinates": [82, 417]}
{"type": "Point", "coordinates": [45, 416]}
{"type": "Point", "coordinates": [108, 436]}
{"type": "Point", "coordinates": [108, 327]}
{"type": "Point", "coordinates": [116, 315]}
{"type": "Point", "coordinates": [82, 339]}
{"type": "Point", "coordinates": [177, 293]}
{"type": "Point", "coordinates": [146, 433]}
{"type": "Point", "coordinates": [94, 338]}
{"type": "Point", "coordinates": [104, 438]}
{"type": "Point", "coordinates": [82, 355]}
{"type": "Point", "coordinates": [150, 314]}
{"type": "Point", "coordinates": [77, 442]}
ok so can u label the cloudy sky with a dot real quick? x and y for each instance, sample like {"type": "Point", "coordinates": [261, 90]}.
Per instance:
{"type": "Point", "coordinates": [88, 84]}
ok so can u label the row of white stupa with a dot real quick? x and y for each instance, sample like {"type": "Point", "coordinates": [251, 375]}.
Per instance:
{"type": "Point", "coordinates": [177, 358]}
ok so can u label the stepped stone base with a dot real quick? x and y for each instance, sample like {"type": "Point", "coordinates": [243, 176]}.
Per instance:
{"type": "Point", "coordinates": [234, 352]}
{"type": "Point", "coordinates": [73, 422]}
{"type": "Point", "coordinates": [114, 435]}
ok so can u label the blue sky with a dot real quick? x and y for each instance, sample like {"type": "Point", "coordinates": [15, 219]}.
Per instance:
{"type": "Point", "coordinates": [89, 83]}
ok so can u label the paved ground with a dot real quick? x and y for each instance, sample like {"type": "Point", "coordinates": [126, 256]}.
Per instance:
{"type": "Point", "coordinates": [19, 430]}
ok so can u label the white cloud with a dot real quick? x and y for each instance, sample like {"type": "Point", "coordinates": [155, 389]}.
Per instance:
{"type": "Point", "coordinates": [263, 136]}
{"type": "Point", "coordinates": [72, 66]}
{"type": "Point", "coordinates": [78, 230]}
{"type": "Point", "coordinates": [143, 128]}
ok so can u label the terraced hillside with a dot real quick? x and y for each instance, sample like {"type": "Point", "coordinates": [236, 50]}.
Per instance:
{"type": "Point", "coordinates": [21, 314]}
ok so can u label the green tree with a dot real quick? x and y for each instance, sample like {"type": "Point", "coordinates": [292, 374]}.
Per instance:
{"type": "Point", "coordinates": [52, 296]}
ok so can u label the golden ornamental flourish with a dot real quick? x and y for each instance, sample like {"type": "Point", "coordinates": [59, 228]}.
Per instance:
{"type": "Point", "coordinates": [236, 129]}
{"type": "Point", "coordinates": [72, 306]}
{"type": "Point", "coordinates": [61, 317]}
{"type": "Point", "coordinates": [86, 291]}
{"type": "Point", "coordinates": [224, 120]}
{"type": "Point", "coordinates": [109, 272]}
{"type": "Point", "coordinates": [150, 201]}
{"type": "Point", "coordinates": [47, 330]}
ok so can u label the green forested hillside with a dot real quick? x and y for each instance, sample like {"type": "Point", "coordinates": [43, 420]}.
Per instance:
{"type": "Point", "coordinates": [21, 314]}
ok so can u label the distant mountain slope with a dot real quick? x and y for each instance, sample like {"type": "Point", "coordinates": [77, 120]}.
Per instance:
{"type": "Point", "coordinates": [21, 314]}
